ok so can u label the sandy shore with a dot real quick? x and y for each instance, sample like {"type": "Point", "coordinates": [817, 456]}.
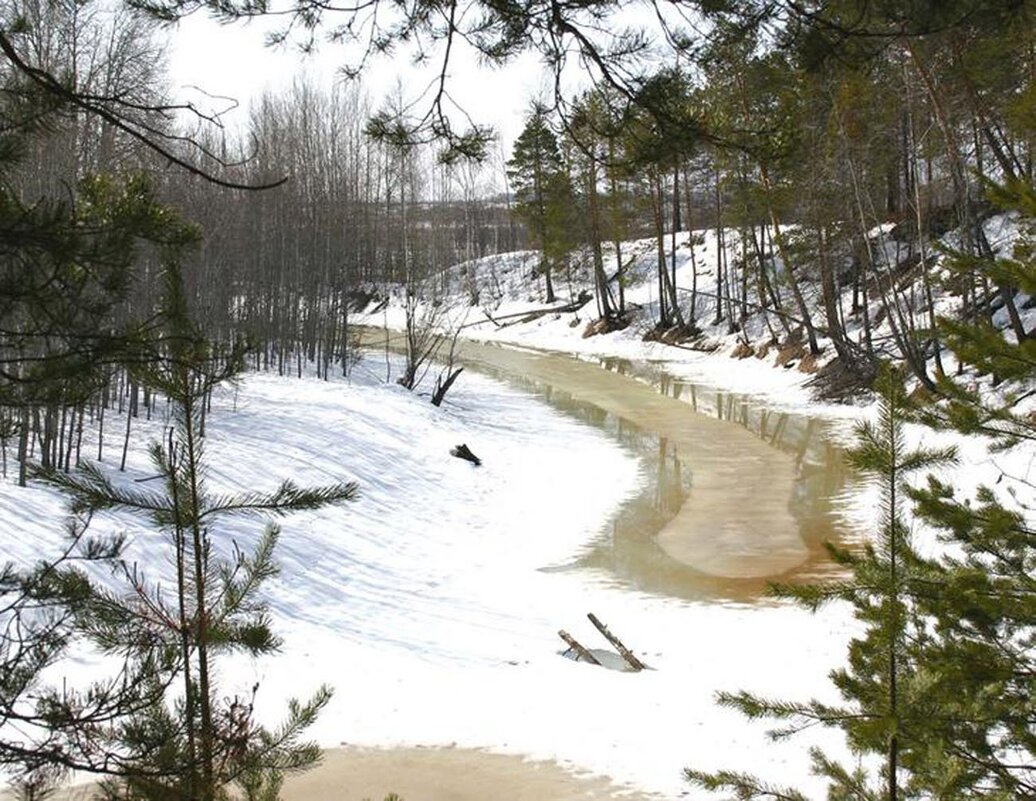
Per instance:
{"type": "Point", "coordinates": [443, 774]}
{"type": "Point", "coordinates": [429, 774]}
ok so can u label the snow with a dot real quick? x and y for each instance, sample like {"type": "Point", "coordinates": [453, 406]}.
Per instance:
{"type": "Point", "coordinates": [769, 386]}
{"type": "Point", "coordinates": [509, 289]}
{"type": "Point", "coordinates": [432, 603]}
{"type": "Point", "coordinates": [516, 289]}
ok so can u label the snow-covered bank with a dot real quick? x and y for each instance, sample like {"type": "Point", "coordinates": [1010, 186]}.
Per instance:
{"type": "Point", "coordinates": [507, 319]}
{"type": "Point", "coordinates": [468, 654]}
{"type": "Point", "coordinates": [490, 298]}
{"type": "Point", "coordinates": [432, 604]}
{"type": "Point", "coordinates": [426, 605]}
{"type": "Point", "coordinates": [508, 289]}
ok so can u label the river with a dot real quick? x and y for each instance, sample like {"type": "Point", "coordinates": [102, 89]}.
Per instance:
{"type": "Point", "coordinates": [737, 495]}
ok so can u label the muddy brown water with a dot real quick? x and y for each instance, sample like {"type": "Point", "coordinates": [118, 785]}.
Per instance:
{"type": "Point", "coordinates": [737, 495]}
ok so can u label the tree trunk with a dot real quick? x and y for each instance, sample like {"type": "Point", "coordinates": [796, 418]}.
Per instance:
{"type": "Point", "coordinates": [23, 448]}
{"type": "Point", "coordinates": [720, 244]}
{"type": "Point", "coordinates": [657, 203]}
{"type": "Point", "coordinates": [604, 302]}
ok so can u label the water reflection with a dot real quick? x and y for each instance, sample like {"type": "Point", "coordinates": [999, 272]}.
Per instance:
{"type": "Point", "coordinates": [670, 539]}
{"type": "Point", "coordinates": [821, 476]}
{"type": "Point", "coordinates": [671, 486]}
{"type": "Point", "coordinates": [628, 553]}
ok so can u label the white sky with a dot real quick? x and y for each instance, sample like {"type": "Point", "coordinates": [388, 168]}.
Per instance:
{"type": "Point", "coordinates": [232, 61]}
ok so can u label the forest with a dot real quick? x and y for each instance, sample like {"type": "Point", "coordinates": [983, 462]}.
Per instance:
{"type": "Point", "coordinates": [861, 170]}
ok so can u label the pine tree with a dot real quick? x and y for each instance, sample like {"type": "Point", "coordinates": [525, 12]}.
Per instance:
{"type": "Point", "coordinates": [980, 655]}
{"type": "Point", "coordinates": [544, 194]}
{"type": "Point", "coordinates": [982, 648]}
{"type": "Point", "coordinates": [196, 743]}
{"type": "Point", "coordinates": [64, 269]}
{"type": "Point", "coordinates": [883, 684]}
{"type": "Point", "coordinates": [1007, 358]}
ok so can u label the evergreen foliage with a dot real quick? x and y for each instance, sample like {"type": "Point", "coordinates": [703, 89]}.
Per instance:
{"type": "Point", "coordinates": [942, 683]}
{"type": "Point", "coordinates": [188, 741]}
{"type": "Point", "coordinates": [543, 193]}
{"type": "Point", "coordinates": [982, 645]}
{"type": "Point", "coordinates": [64, 269]}
{"type": "Point", "coordinates": [887, 708]}
{"type": "Point", "coordinates": [1008, 360]}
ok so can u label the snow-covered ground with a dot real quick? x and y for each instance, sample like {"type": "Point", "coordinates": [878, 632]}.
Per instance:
{"type": "Point", "coordinates": [758, 649]}
{"type": "Point", "coordinates": [511, 289]}
{"type": "Point", "coordinates": [508, 288]}
{"type": "Point", "coordinates": [427, 606]}
{"type": "Point", "coordinates": [430, 604]}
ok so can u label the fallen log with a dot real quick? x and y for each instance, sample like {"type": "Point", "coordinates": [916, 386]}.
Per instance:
{"type": "Point", "coordinates": [581, 652]}
{"type": "Point", "coordinates": [625, 652]}
{"type": "Point", "coordinates": [462, 451]}
{"type": "Point", "coordinates": [573, 305]}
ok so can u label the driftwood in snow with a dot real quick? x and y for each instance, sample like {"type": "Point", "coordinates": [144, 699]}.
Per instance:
{"type": "Point", "coordinates": [462, 451]}
{"type": "Point", "coordinates": [581, 652]}
{"type": "Point", "coordinates": [534, 314]}
{"type": "Point", "coordinates": [624, 652]}
{"type": "Point", "coordinates": [611, 661]}
{"type": "Point", "coordinates": [442, 386]}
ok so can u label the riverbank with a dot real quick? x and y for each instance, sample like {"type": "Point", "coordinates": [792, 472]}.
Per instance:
{"type": "Point", "coordinates": [445, 774]}
{"type": "Point", "coordinates": [782, 384]}
{"type": "Point", "coordinates": [740, 359]}
{"type": "Point", "coordinates": [432, 605]}
{"type": "Point", "coordinates": [429, 774]}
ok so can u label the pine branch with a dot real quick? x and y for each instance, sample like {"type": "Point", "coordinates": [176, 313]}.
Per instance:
{"type": "Point", "coordinates": [241, 579]}
{"type": "Point", "coordinates": [814, 596]}
{"type": "Point", "coordinates": [92, 491]}
{"type": "Point", "coordinates": [744, 786]}
{"type": "Point", "coordinates": [852, 786]}
{"type": "Point", "coordinates": [288, 497]}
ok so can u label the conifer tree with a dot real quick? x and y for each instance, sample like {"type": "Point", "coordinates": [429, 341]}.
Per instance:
{"type": "Point", "coordinates": [883, 681]}
{"type": "Point", "coordinates": [942, 684]}
{"type": "Point", "coordinates": [543, 192]}
{"type": "Point", "coordinates": [197, 742]}
{"type": "Point", "coordinates": [63, 269]}
{"type": "Point", "coordinates": [982, 648]}
{"type": "Point", "coordinates": [1007, 358]}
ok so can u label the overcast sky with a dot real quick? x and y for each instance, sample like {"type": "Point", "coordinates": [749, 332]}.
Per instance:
{"type": "Point", "coordinates": [232, 61]}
